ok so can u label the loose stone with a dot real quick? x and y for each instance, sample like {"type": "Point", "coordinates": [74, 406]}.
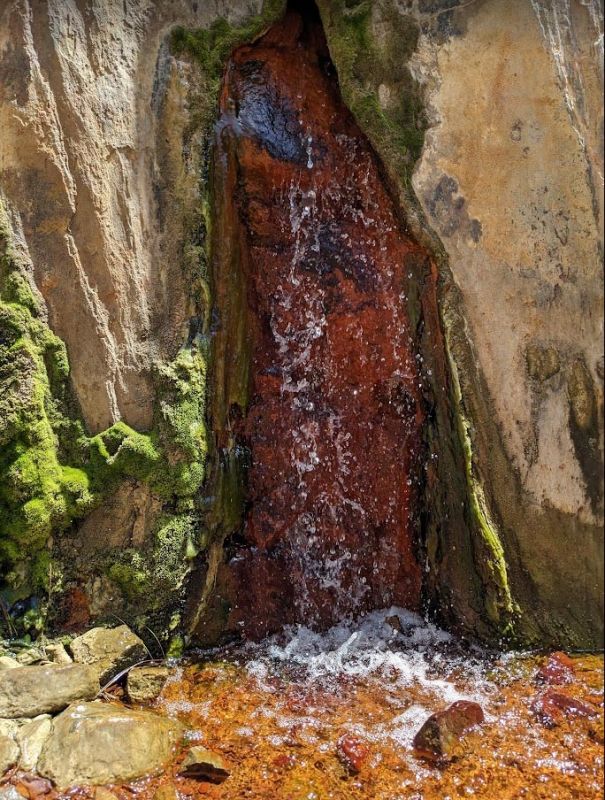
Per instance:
{"type": "Point", "coordinates": [110, 649]}
{"type": "Point", "coordinates": [31, 691]}
{"type": "Point", "coordinates": [101, 743]}
{"type": "Point", "coordinates": [439, 738]}
{"type": "Point", "coordinates": [205, 765]}
{"type": "Point", "coordinates": [9, 753]}
{"type": "Point", "coordinates": [144, 684]}
{"type": "Point", "coordinates": [352, 753]}
{"type": "Point", "coordinates": [558, 670]}
{"type": "Point", "coordinates": [57, 654]}
{"type": "Point", "coordinates": [31, 738]}
{"type": "Point", "coordinates": [551, 706]}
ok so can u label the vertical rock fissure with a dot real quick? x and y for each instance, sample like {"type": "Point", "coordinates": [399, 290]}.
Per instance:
{"type": "Point", "coordinates": [318, 409]}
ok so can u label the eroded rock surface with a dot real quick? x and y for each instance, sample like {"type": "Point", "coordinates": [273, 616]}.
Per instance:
{"type": "Point", "coordinates": [30, 691]}
{"type": "Point", "coordinates": [96, 744]}
{"type": "Point", "coordinates": [512, 182]}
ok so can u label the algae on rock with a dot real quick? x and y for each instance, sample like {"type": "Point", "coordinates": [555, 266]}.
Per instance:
{"type": "Point", "coordinates": [52, 473]}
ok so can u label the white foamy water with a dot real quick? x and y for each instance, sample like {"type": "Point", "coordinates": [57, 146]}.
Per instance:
{"type": "Point", "coordinates": [419, 657]}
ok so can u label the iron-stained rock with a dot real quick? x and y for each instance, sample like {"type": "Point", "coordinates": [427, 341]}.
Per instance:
{"type": "Point", "coordinates": [439, 737]}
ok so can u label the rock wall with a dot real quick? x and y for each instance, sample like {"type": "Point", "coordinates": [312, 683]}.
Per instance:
{"type": "Point", "coordinates": [511, 180]}
{"type": "Point", "coordinates": [488, 120]}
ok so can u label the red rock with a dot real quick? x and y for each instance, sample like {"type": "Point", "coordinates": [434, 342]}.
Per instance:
{"type": "Point", "coordinates": [551, 706]}
{"type": "Point", "coordinates": [558, 670]}
{"type": "Point", "coordinates": [439, 738]}
{"type": "Point", "coordinates": [352, 753]}
{"type": "Point", "coordinates": [334, 412]}
{"type": "Point", "coordinates": [35, 787]}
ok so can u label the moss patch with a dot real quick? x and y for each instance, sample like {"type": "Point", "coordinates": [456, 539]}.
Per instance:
{"type": "Point", "coordinates": [371, 45]}
{"type": "Point", "coordinates": [52, 472]}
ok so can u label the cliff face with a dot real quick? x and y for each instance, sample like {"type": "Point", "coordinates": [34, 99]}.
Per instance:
{"type": "Point", "coordinates": [487, 119]}
{"type": "Point", "coordinates": [511, 180]}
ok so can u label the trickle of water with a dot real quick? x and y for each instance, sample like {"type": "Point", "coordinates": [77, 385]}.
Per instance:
{"type": "Point", "coordinates": [335, 416]}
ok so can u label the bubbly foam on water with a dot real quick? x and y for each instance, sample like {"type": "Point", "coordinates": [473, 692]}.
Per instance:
{"type": "Point", "coordinates": [413, 655]}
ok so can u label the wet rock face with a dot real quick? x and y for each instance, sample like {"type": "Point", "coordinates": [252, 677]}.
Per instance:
{"type": "Point", "coordinates": [335, 413]}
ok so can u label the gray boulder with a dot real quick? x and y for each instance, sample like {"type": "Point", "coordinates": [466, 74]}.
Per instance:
{"type": "Point", "coordinates": [96, 744]}
{"type": "Point", "coordinates": [30, 691]}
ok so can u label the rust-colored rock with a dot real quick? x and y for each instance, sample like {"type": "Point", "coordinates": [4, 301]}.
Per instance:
{"type": "Point", "coordinates": [335, 412]}
{"type": "Point", "coordinates": [551, 706]}
{"type": "Point", "coordinates": [557, 670]}
{"type": "Point", "coordinates": [352, 753]}
{"type": "Point", "coordinates": [439, 738]}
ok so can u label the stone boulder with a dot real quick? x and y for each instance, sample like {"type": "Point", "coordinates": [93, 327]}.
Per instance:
{"type": "Point", "coordinates": [144, 684]}
{"type": "Point", "coordinates": [9, 753]}
{"type": "Point", "coordinates": [30, 691]}
{"type": "Point", "coordinates": [439, 738]}
{"type": "Point", "coordinates": [110, 650]}
{"type": "Point", "coordinates": [31, 738]}
{"type": "Point", "coordinates": [101, 743]}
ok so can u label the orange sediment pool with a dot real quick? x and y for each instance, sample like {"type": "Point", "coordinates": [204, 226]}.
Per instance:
{"type": "Point", "coordinates": [277, 711]}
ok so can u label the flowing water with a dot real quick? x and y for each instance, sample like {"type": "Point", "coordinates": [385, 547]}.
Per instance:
{"type": "Point", "coordinates": [332, 423]}
{"type": "Point", "coordinates": [277, 710]}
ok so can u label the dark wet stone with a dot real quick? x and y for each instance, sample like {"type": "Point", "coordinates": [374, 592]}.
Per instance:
{"type": "Point", "coordinates": [439, 738]}
{"type": "Point", "coordinates": [204, 765]}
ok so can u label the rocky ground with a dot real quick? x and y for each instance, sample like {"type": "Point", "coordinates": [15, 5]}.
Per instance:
{"type": "Point", "coordinates": [75, 713]}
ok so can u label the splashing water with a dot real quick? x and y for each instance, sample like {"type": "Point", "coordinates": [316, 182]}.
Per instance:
{"type": "Point", "coordinates": [335, 413]}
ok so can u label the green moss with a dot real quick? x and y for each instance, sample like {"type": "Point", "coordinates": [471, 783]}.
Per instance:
{"type": "Point", "coordinates": [490, 559]}
{"type": "Point", "coordinates": [52, 473]}
{"type": "Point", "coordinates": [156, 571]}
{"type": "Point", "coordinates": [396, 126]}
